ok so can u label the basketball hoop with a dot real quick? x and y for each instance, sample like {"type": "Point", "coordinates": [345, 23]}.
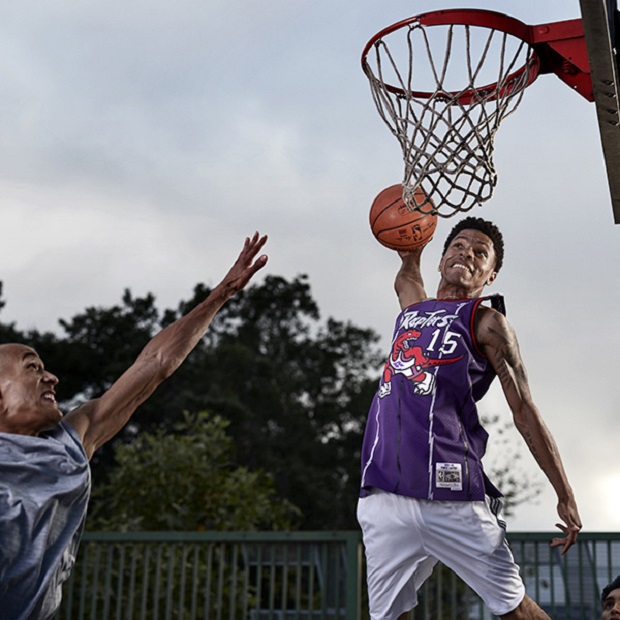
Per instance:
{"type": "Point", "coordinates": [465, 71]}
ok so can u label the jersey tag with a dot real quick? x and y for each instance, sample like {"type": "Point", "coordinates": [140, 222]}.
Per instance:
{"type": "Point", "coordinates": [449, 476]}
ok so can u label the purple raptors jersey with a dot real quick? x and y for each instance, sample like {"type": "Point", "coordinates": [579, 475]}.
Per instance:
{"type": "Point", "coordinates": [423, 437]}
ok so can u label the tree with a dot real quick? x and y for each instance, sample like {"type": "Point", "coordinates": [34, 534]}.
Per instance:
{"type": "Point", "coordinates": [185, 480]}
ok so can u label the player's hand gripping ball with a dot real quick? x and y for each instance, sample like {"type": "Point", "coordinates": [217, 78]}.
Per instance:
{"type": "Point", "coordinates": [395, 226]}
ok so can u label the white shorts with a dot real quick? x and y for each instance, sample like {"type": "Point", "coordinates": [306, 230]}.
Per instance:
{"type": "Point", "coordinates": [405, 537]}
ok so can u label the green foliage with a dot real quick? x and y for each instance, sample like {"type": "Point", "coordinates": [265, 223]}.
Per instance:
{"type": "Point", "coordinates": [185, 480]}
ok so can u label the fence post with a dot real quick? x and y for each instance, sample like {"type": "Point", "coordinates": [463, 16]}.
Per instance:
{"type": "Point", "coordinates": [353, 602]}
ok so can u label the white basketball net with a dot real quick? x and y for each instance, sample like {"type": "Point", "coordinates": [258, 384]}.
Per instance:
{"type": "Point", "coordinates": [446, 133]}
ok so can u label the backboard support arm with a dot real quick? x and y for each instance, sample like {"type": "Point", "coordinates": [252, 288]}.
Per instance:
{"type": "Point", "coordinates": [604, 69]}
{"type": "Point", "coordinates": [563, 50]}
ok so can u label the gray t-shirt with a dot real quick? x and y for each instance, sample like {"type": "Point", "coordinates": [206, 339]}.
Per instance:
{"type": "Point", "coordinates": [44, 491]}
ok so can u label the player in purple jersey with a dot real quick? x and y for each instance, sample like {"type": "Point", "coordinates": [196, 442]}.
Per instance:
{"type": "Point", "coordinates": [424, 494]}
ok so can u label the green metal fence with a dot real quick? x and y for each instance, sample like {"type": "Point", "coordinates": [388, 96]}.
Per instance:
{"type": "Point", "coordinates": [223, 576]}
{"type": "Point", "coordinates": [303, 576]}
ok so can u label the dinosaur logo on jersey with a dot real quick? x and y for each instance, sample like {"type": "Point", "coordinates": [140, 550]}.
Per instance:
{"type": "Point", "coordinates": [409, 359]}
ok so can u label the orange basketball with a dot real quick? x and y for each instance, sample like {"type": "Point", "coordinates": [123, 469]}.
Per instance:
{"type": "Point", "coordinates": [395, 226]}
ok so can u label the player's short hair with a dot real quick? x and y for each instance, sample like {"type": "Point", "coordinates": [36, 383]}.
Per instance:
{"type": "Point", "coordinates": [484, 226]}
{"type": "Point", "coordinates": [614, 585]}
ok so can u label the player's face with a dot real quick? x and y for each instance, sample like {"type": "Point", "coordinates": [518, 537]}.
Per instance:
{"type": "Point", "coordinates": [611, 606]}
{"type": "Point", "coordinates": [27, 397]}
{"type": "Point", "coordinates": [469, 261]}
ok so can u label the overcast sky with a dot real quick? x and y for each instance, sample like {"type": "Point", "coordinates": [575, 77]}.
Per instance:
{"type": "Point", "coordinates": [142, 141]}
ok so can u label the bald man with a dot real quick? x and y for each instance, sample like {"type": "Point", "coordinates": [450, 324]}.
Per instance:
{"type": "Point", "coordinates": [44, 456]}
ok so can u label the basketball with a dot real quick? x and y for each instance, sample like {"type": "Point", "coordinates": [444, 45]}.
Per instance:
{"type": "Point", "coordinates": [395, 226]}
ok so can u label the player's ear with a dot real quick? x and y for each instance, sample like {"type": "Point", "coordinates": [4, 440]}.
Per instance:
{"type": "Point", "coordinates": [491, 278]}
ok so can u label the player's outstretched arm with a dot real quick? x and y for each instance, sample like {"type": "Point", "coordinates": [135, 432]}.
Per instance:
{"type": "Point", "coordinates": [409, 285]}
{"type": "Point", "coordinates": [100, 419]}
{"type": "Point", "coordinates": [499, 342]}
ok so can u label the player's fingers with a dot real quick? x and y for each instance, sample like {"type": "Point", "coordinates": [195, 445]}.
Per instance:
{"type": "Point", "coordinates": [565, 543]}
{"type": "Point", "coordinates": [572, 529]}
{"type": "Point", "coordinates": [251, 248]}
{"type": "Point", "coordinates": [254, 245]}
{"type": "Point", "coordinates": [571, 539]}
{"type": "Point", "coordinates": [259, 263]}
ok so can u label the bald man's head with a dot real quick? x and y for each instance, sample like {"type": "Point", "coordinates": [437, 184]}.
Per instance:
{"type": "Point", "coordinates": [27, 395]}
